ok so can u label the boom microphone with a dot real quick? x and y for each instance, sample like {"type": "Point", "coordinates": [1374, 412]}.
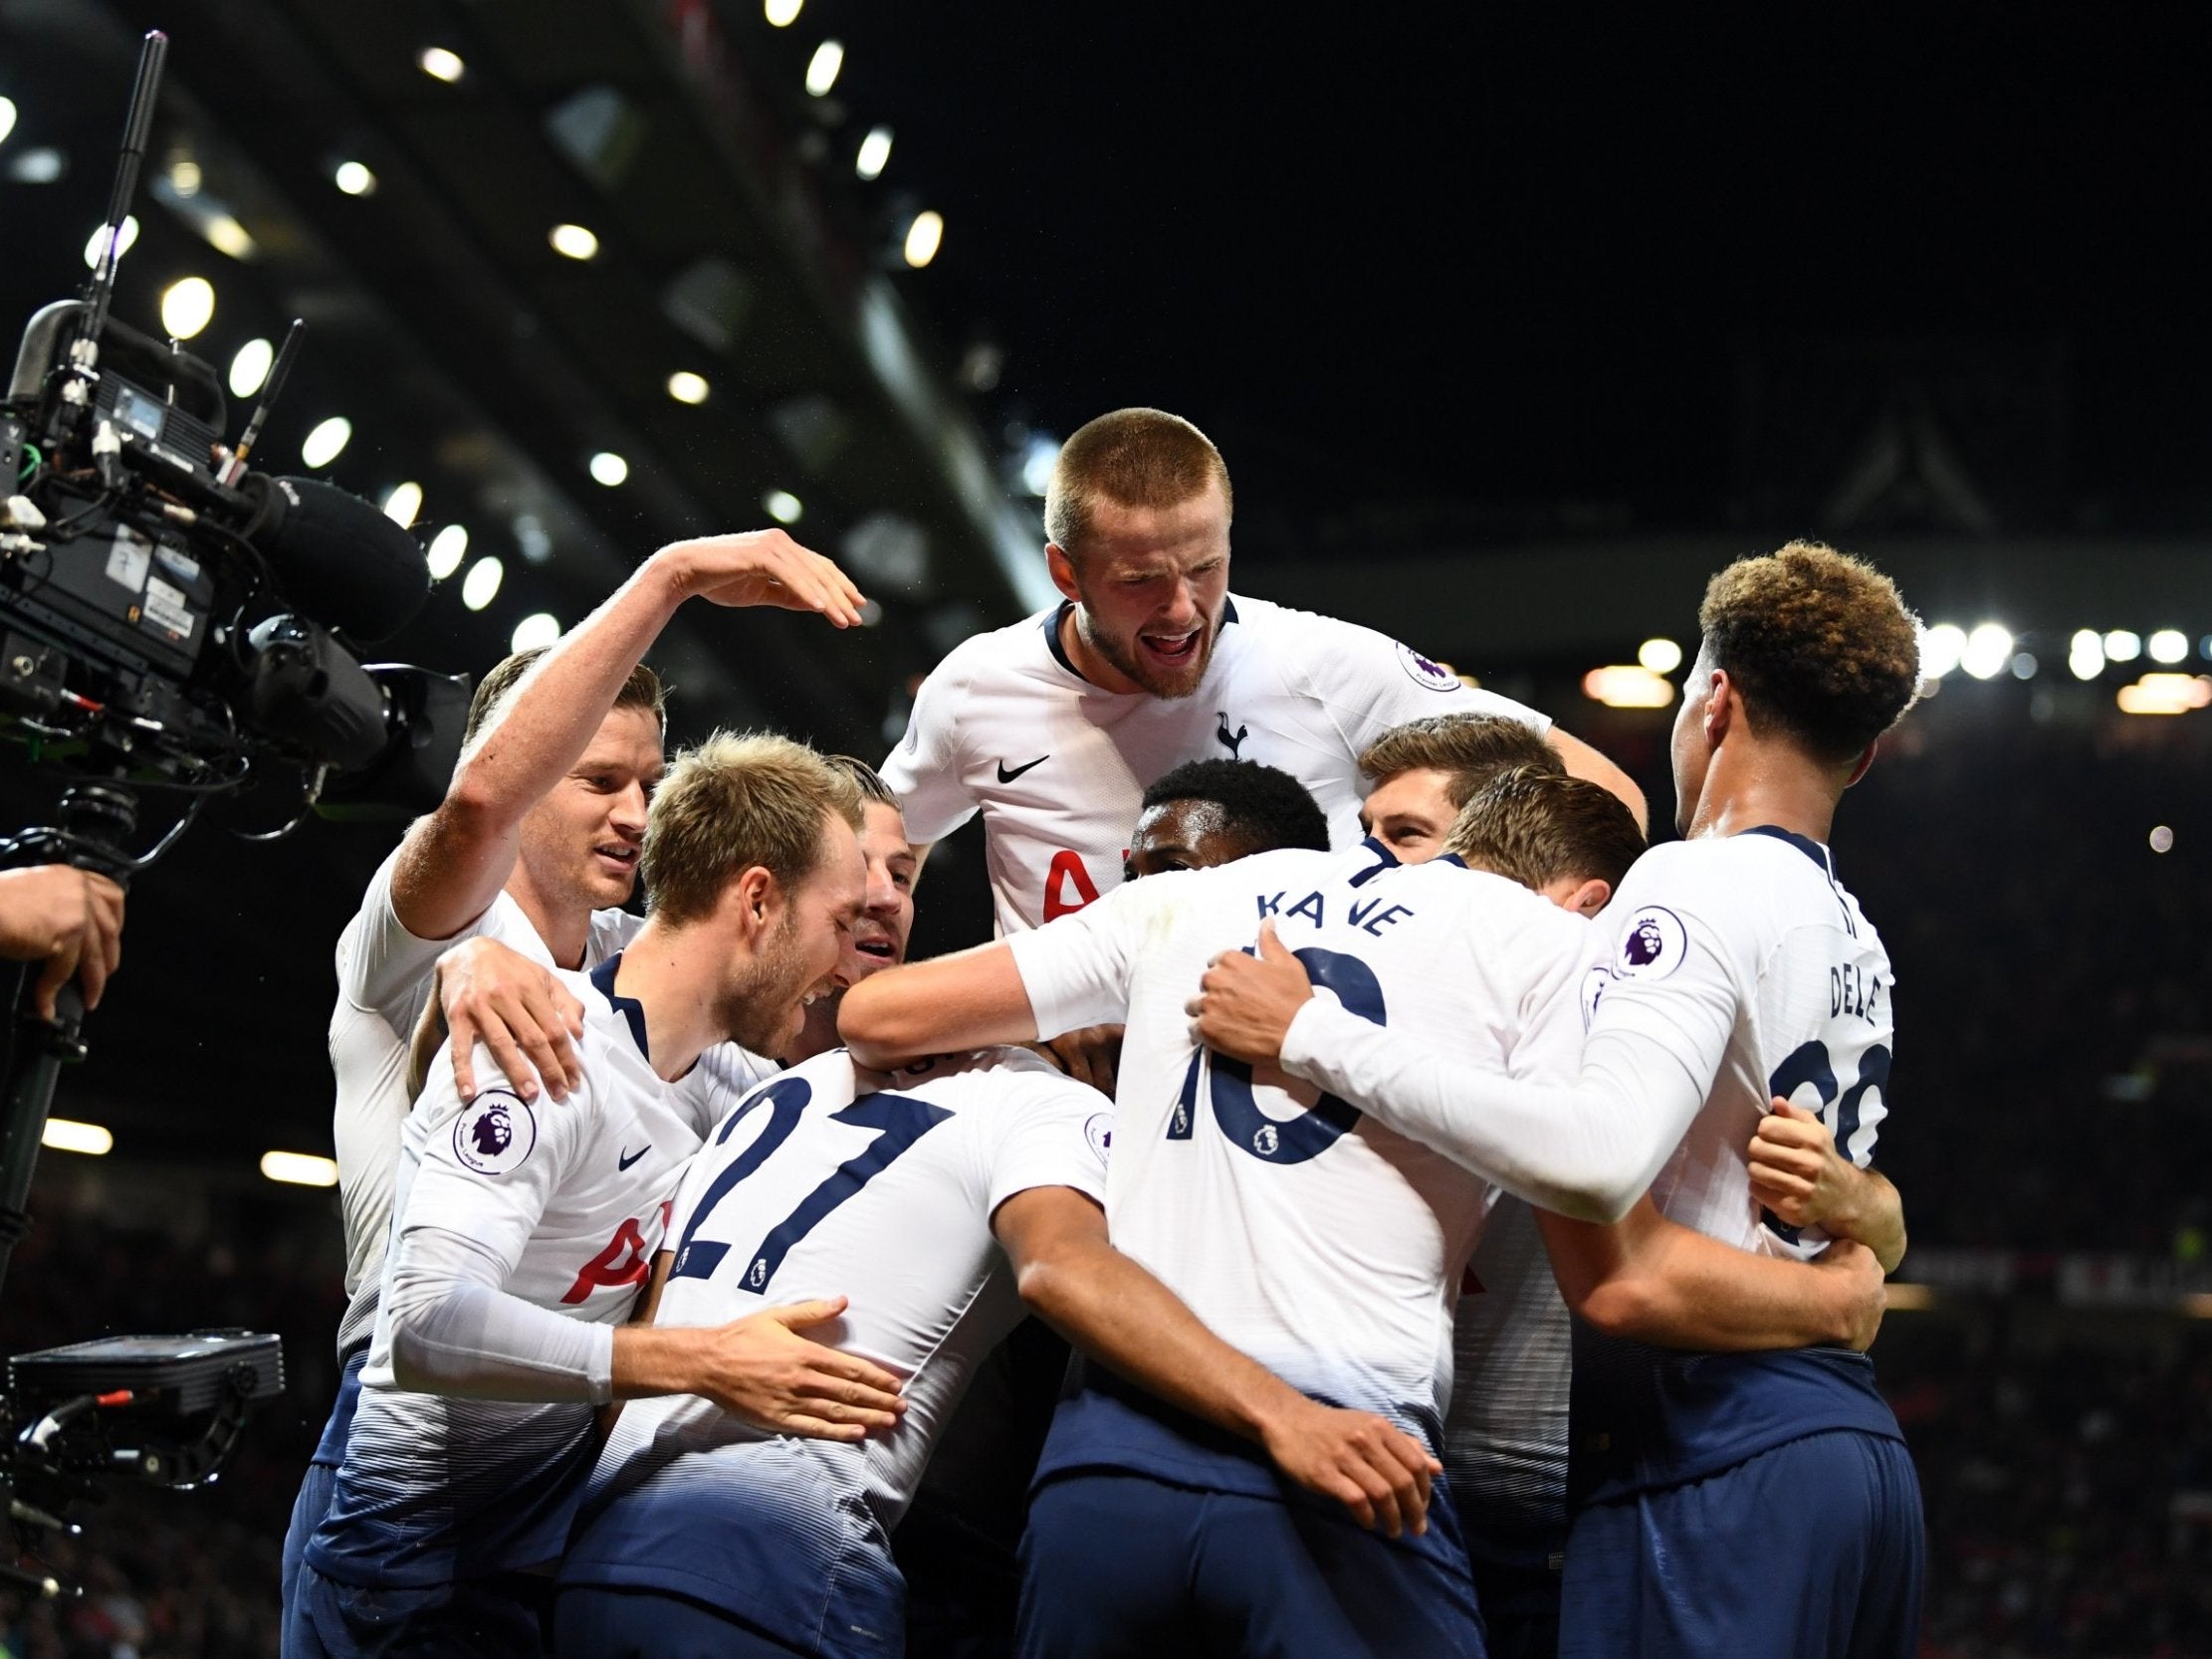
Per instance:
{"type": "Point", "coordinates": [334, 556]}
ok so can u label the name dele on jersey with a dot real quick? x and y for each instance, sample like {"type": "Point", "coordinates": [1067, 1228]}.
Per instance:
{"type": "Point", "coordinates": [493, 1133]}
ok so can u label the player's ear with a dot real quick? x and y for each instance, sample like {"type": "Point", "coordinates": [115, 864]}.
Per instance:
{"type": "Point", "coordinates": [1723, 708]}
{"type": "Point", "coordinates": [1061, 564]}
{"type": "Point", "coordinates": [753, 897]}
{"type": "Point", "coordinates": [1590, 898]}
{"type": "Point", "coordinates": [1859, 767]}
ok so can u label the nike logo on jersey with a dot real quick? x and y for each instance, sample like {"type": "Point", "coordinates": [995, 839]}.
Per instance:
{"type": "Point", "coordinates": [1007, 776]}
{"type": "Point", "coordinates": [1232, 744]}
{"type": "Point", "coordinates": [625, 1162]}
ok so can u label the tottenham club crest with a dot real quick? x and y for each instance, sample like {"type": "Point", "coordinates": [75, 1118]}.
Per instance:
{"type": "Point", "coordinates": [1652, 945]}
{"type": "Point", "coordinates": [1426, 671]}
{"type": "Point", "coordinates": [493, 1133]}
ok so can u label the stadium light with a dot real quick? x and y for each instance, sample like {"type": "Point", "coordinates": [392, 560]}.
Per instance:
{"type": "Point", "coordinates": [822, 68]}
{"type": "Point", "coordinates": [185, 177]}
{"type": "Point", "coordinates": [2165, 693]}
{"type": "Point", "coordinates": [2124, 645]}
{"type": "Point", "coordinates": [1940, 649]}
{"type": "Point", "coordinates": [2169, 645]}
{"type": "Point", "coordinates": [7, 118]}
{"type": "Point", "coordinates": [481, 586]}
{"type": "Point", "coordinates": [875, 153]}
{"type": "Point", "coordinates": [686, 387]}
{"type": "Point", "coordinates": [65, 1135]}
{"type": "Point", "coordinates": [300, 1169]}
{"type": "Point", "coordinates": [1037, 462]}
{"type": "Point", "coordinates": [355, 178]}
{"type": "Point", "coordinates": [39, 165]}
{"type": "Point", "coordinates": [187, 306]}
{"type": "Point", "coordinates": [572, 241]}
{"type": "Point", "coordinates": [1661, 656]}
{"type": "Point", "coordinates": [2161, 839]}
{"type": "Point", "coordinates": [441, 65]}
{"type": "Point", "coordinates": [781, 14]}
{"type": "Point", "coordinates": [1627, 685]}
{"type": "Point", "coordinates": [924, 237]}
{"type": "Point", "coordinates": [783, 506]}
{"type": "Point", "coordinates": [2024, 665]}
{"type": "Point", "coordinates": [323, 444]}
{"type": "Point", "coordinates": [227, 236]}
{"type": "Point", "coordinates": [1988, 650]}
{"type": "Point", "coordinates": [2085, 654]}
{"type": "Point", "coordinates": [608, 468]}
{"type": "Point", "coordinates": [125, 237]}
{"type": "Point", "coordinates": [403, 502]}
{"type": "Point", "coordinates": [250, 367]}
{"type": "Point", "coordinates": [537, 630]}
{"type": "Point", "coordinates": [446, 551]}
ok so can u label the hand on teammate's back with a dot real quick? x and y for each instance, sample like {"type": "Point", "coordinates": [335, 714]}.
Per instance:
{"type": "Point", "coordinates": [1866, 1290]}
{"type": "Point", "coordinates": [1245, 1003]}
{"type": "Point", "coordinates": [67, 918]}
{"type": "Point", "coordinates": [760, 1369]}
{"type": "Point", "coordinates": [765, 567]}
{"type": "Point", "coordinates": [1797, 1172]}
{"type": "Point", "coordinates": [1091, 1055]}
{"type": "Point", "coordinates": [1366, 1463]}
{"type": "Point", "coordinates": [517, 1008]}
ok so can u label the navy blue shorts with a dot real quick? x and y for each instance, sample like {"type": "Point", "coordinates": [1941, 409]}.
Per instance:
{"type": "Point", "coordinates": [320, 1480]}
{"type": "Point", "coordinates": [1119, 1565]}
{"type": "Point", "coordinates": [1811, 1550]}
{"type": "Point", "coordinates": [499, 1617]}
{"type": "Point", "coordinates": [593, 1621]}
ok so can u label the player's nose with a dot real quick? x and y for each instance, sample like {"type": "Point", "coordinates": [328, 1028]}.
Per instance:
{"type": "Point", "coordinates": [627, 810]}
{"type": "Point", "coordinates": [1182, 608]}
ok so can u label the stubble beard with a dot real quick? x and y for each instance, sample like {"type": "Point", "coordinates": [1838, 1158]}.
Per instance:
{"type": "Point", "coordinates": [1124, 657]}
{"type": "Point", "coordinates": [755, 1009]}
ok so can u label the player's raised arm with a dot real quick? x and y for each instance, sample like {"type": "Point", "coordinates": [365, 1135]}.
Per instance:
{"type": "Point", "coordinates": [1119, 1314]}
{"type": "Point", "coordinates": [455, 860]}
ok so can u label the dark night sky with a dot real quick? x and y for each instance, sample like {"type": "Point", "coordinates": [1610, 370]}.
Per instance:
{"type": "Point", "coordinates": [1513, 251]}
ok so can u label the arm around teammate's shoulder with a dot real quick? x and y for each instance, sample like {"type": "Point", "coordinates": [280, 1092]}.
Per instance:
{"type": "Point", "coordinates": [1584, 761]}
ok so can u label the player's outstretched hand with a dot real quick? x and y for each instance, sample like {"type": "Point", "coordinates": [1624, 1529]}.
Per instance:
{"type": "Point", "coordinates": [763, 567]}
{"type": "Point", "coordinates": [1091, 1055]}
{"type": "Point", "coordinates": [1863, 1287]}
{"type": "Point", "coordinates": [1797, 1172]}
{"type": "Point", "coordinates": [1366, 1463]}
{"type": "Point", "coordinates": [517, 1008]}
{"type": "Point", "coordinates": [1245, 1003]}
{"type": "Point", "coordinates": [763, 1370]}
{"type": "Point", "coordinates": [68, 918]}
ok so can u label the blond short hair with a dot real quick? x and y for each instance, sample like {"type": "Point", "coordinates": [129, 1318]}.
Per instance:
{"type": "Point", "coordinates": [1470, 748]}
{"type": "Point", "coordinates": [1535, 827]}
{"type": "Point", "coordinates": [733, 802]}
{"type": "Point", "coordinates": [1133, 458]}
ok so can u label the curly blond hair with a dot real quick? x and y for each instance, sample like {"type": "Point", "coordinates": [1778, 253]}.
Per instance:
{"type": "Point", "coordinates": [1819, 644]}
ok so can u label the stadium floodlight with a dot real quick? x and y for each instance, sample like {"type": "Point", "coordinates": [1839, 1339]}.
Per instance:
{"type": "Point", "coordinates": [184, 176]}
{"type": "Point", "coordinates": [227, 236]}
{"type": "Point", "coordinates": [1988, 650]}
{"type": "Point", "coordinates": [686, 387]}
{"type": "Point", "coordinates": [608, 468]}
{"type": "Point", "coordinates": [403, 502]}
{"type": "Point", "coordinates": [324, 441]}
{"type": "Point", "coordinates": [2165, 693]}
{"type": "Point", "coordinates": [41, 164]}
{"type": "Point", "coordinates": [7, 118]}
{"type": "Point", "coordinates": [2169, 645]}
{"type": "Point", "coordinates": [250, 367]}
{"type": "Point", "coordinates": [572, 241]}
{"type": "Point", "coordinates": [924, 237]}
{"type": "Point", "coordinates": [537, 630]}
{"type": "Point", "coordinates": [446, 551]}
{"type": "Point", "coordinates": [355, 178]}
{"type": "Point", "coordinates": [2085, 656]}
{"type": "Point", "coordinates": [125, 236]}
{"type": "Point", "coordinates": [875, 153]}
{"type": "Point", "coordinates": [442, 65]}
{"type": "Point", "coordinates": [481, 586]}
{"type": "Point", "coordinates": [2161, 838]}
{"type": "Point", "coordinates": [65, 1135]}
{"type": "Point", "coordinates": [781, 14]}
{"type": "Point", "coordinates": [1940, 649]}
{"type": "Point", "coordinates": [1661, 656]}
{"type": "Point", "coordinates": [822, 68]}
{"type": "Point", "coordinates": [1627, 685]}
{"type": "Point", "coordinates": [187, 306]}
{"type": "Point", "coordinates": [1041, 454]}
{"type": "Point", "coordinates": [783, 506]}
{"type": "Point", "coordinates": [300, 1169]}
{"type": "Point", "coordinates": [2124, 645]}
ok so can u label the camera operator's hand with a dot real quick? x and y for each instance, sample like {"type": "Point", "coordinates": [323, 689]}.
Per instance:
{"type": "Point", "coordinates": [68, 918]}
{"type": "Point", "coordinates": [763, 567]}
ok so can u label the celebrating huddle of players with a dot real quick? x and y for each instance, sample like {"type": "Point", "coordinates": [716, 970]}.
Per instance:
{"type": "Point", "coordinates": [1461, 1217]}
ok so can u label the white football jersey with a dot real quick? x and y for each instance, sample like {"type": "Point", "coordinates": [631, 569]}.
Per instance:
{"type": "Point", "coordinates": [831, 1181]}
{"type": "Point", "coordinates": [384, 981]}
{"type": "Point", "coordinates": [574, 1197]}
{"type": "Point", "coordinates": [1325, 1246]}
{"type": "Point", "coordinates": [1755, 966]}
{"type": "Point", "coordinates": [1060, 768]}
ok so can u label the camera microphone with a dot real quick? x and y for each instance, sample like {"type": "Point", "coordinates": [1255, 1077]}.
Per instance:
{"type": "Point", "coordinates": [334, 556]}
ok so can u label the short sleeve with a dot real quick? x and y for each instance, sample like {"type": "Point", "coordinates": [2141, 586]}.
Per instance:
{"type": "Point", "coordinates": [1669, 975]}
{"type": "Point", "coordinates": [924, 771]}
{"type": "Point", "coordinates": [380, 962]}
{"type": "Point", "coordinates": [1369, 683]}
{"type": "Point", "coordinates": [1051, 1131]}
{"type": "Point", "coordinates": [490, 1167]}
{"type": "Point", "coordinates": [1075, 968]}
